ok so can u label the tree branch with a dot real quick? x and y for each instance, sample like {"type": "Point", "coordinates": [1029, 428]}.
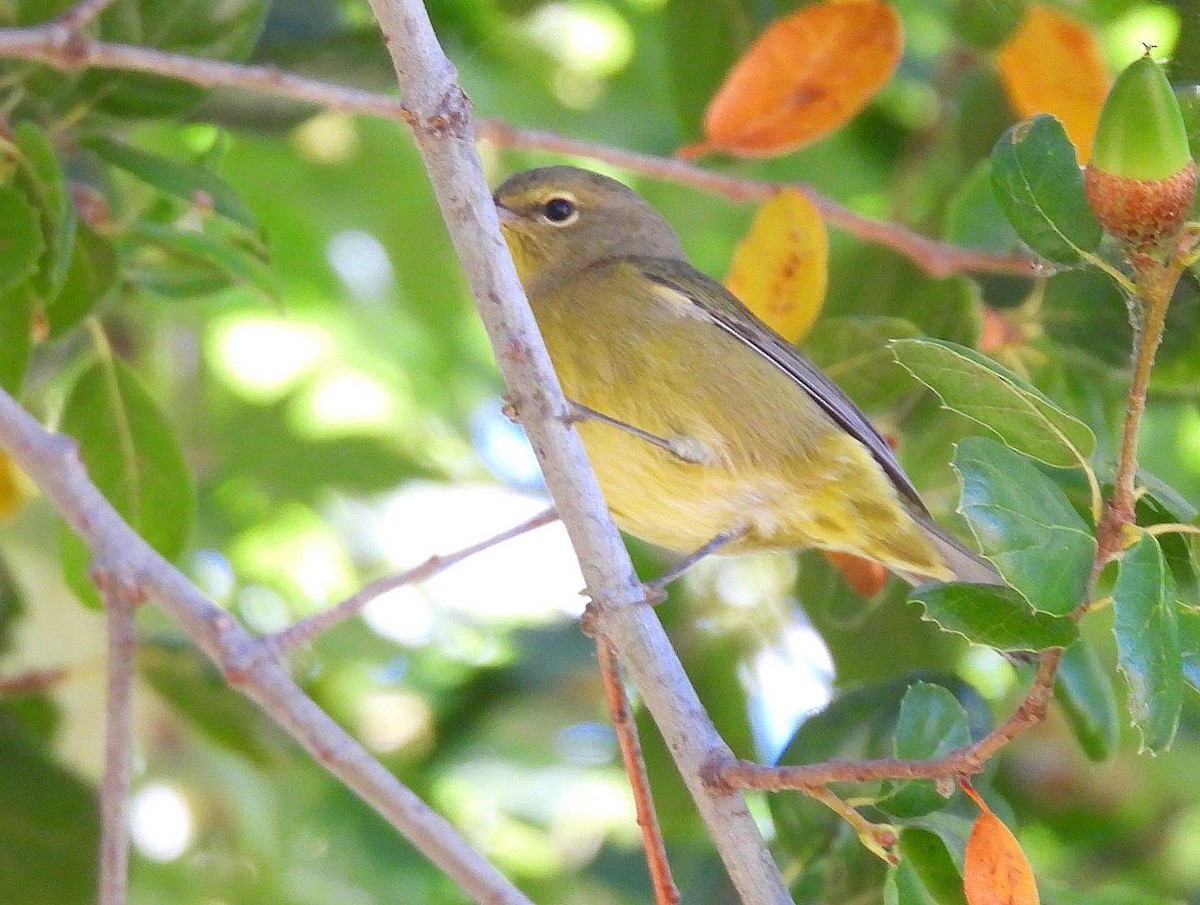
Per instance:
{"type": "Point", "coordinates": [123, 559]}
{"type": "Point", "coordinates": [65, 45]}
{"type": "Point", "coordinates": [443, 129]}
{"type": "Point", "coordinates": [121, 602]}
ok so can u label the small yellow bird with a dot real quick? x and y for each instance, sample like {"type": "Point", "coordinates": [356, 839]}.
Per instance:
{"type": "Point", "coordinates": [742, 435]}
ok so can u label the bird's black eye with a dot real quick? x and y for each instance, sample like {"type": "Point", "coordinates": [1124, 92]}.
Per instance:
{"type": "Point", "coordinates": [559, 210]}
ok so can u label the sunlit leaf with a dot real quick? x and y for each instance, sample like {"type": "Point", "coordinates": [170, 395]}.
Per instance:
{"type": "Point", "coordinates": [985, 392]}
{"type": "Point", "coordinates": [1084, 689]}
{"type": "Point", "coordinates": [1039, 186]}
{"type": "Point", "coordinates": [1025, 525]}
{"type": "Point", "coordinates": [996, 871]}
{"type": "Point", "coordinates": [780, 268]}
{"type": "Point", "coordinates": [1148, 643]}
{"type": "Point", "coordinates": [1054, 64]}
{"type": "Point", "coordinates": [805, 76]}
{"type": "Point", "coordinates": [927, 857]}
{"type": "Point", "coordinates": [993, 615]}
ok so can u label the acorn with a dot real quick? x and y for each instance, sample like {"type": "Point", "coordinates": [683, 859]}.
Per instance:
{"type": "Point", "coordinates": [1141, 179]}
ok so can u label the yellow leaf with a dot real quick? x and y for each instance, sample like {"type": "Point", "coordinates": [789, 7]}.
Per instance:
{"type": "Point", "coordinates": [995, 871]}
{"type": "Point", "coordinates": [781, 267]}
{"type": "Point", "coordinates": [1052, 64]}
{"type": "Point", "coordinates": [805, 76]}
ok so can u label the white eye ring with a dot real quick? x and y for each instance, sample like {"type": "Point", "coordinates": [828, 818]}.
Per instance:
{"type": "Point", "coordinates": [560, 211]}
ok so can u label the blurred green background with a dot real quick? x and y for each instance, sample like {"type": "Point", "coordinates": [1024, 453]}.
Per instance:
{"type": "Point", "coordinates": [341, 418]}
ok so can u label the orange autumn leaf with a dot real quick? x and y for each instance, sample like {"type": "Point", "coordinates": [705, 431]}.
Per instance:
{"type": "Point", "coordinates": [866, 576]}
{"type": "Point", "coordinates": [805, 76]}
{"type": "Point", "coordinates": [1052, 64]}
{"type": "Point", "coordinates": [781, 267]}
{"type": "Point", "coordinates": [995, 871]}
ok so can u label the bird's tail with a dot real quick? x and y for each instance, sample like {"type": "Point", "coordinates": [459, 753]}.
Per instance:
{"type": "Point", "coordinates": [966, 564]}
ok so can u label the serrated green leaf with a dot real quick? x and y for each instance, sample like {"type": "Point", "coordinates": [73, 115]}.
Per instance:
{"type": "Point", "coordinates": [175, 177]}
{"type": "Point", "coordinates": [49, 828]}
{"type": "Point", "coordinates": [1148, 644]}
{"type": "Point", "coordinates": [1085, 692]}
{"type": "Point", "coordinates": [192, 685]}
{"type": "Point", "coordinates": [1025, 525]}
{"type": "Point", "coordinates": [1013, 409]}
{"type": "Point", "coordinates": [996, 616]}
{"type": "Point", "coordinates": [931, 724]}
{"type": "Point", "coordinates": [21, 242]}
{"type": "Point", "coordinates": [854, 352]}
{"type": "Point", "coordinates": [132, 456]}
{"type": "Point", "coordinates": [927, 856]}
{"type": "Point", "coordinates": [93, 276]}
{"type": "Point", "coordinates": [46, 185]}
{"type": "Point", "coordinates": [16, 329]}
{"type": "Point", "coordinates": [1039, 186]}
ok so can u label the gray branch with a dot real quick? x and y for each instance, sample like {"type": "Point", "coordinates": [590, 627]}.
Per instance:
{"type": "Point", "coordinates": [443, 127]}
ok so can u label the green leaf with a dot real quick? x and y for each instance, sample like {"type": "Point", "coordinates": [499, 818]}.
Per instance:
{"type": "Point", "coordinates": [1039, 186]}
{"type": "Point", "coordinates": [996, 616]}
{"type": "Point", "coordinates": [196, 28]}
{"type": "Point", "coordinates": [854, 352]}
{"type": "Point", "coordinates": [92, 278]}
{"type": "Point", "coordinates": [133, 457]}
{"type": "Point", "coordinates": [16, 330]}
{"type": "Point", "coordinates": [928, 858]}
{"type": "Point", "coordinates": [986, 23]}
{"type": "Point", "coordinates": [1025, 525]}
{"type": "Point", "coordinates": [1013, 409]}
{"type": "Point", "coordinates": [49, 828]}
{"type": "Point", "coordinates": [21, 242]}
{"type": "Point", "coordinates": [974, 219]}
{"type": "Point", "coordinates": [904, 887]}
{"type": "Point", "coordinates": [46, 185]}
{"type": "Point", "coordinates": [209, 262]}
{"type": "Point", "coordinates": [187, 679]}
{"type": "Point", "coordinates": [181, 179]}
{"type": "Point", "coordinates": [932, 723]}
{"type": "Point", "coordinates": [1148, 643]}
{"type": "Point", "coordinates": [1085, 692]}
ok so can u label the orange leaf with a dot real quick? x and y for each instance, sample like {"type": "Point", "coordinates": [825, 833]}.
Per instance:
{"type": "Point", "coordinates": [1052, 64]}
{"type": "Point", "coordinates": [995, 871]}
{"type": "Point", "coordinates": [866, 576]}
{"type": "Point", "coordinates": [805, 76]}
{"type": "Point", "coordinates": [781, 267]}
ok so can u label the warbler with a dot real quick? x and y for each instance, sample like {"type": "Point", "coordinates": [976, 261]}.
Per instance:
{"type": "Point", "coordinates": [706, 423]}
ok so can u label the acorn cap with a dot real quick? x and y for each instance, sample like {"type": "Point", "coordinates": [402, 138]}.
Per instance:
{"type": "Point", "coordinates": [1141, 180]}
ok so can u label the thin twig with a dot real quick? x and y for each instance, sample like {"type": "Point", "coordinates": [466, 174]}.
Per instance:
{"type": "Point", "coordinates": [83, 14]}
{"type": "Point", "coordinates": [71, 48]}
{"type": "Point", "coordinates": [302, 632]}
{"type": "Point", "coordinates": [52, 463]}
{"type": "Point", "coordinates": [665, 891]}
{"type": "Point", "coordinates": [121, 602]}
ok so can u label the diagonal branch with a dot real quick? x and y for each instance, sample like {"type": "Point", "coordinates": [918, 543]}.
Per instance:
{"type": "Point", "coordinates": [124, 558]}
{"type": "Point", "coordinates": [65, 45]}
{"type": "Point", "coordinates": [445, 137]}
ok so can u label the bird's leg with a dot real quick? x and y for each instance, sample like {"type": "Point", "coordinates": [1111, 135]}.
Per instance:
{"type": "Point", "coordinates": [686, 449]}
{"type": "Point", "coordinates": [656, 589]}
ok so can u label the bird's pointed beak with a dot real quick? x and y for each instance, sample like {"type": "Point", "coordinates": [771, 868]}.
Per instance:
{"type": "Point", "coordinates": [507, 217]}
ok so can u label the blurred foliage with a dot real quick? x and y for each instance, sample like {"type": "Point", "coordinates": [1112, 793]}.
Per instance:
{"type": "Point", "coordinates": [249, 314]}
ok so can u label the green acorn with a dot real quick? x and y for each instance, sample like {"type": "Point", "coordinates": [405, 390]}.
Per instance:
{"type": "Point", "coordinates": [1141, 179]}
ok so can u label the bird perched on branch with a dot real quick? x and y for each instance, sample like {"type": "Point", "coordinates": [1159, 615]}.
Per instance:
{"type": "Point", "coordinates": [700, 421]}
